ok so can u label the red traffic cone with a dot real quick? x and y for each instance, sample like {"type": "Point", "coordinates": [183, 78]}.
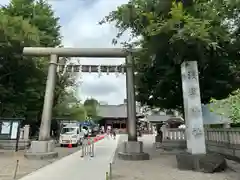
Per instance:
{"type": "Point", "coordinates": [70, 145]}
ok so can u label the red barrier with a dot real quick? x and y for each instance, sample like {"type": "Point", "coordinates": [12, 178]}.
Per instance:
{"type": "Point", "coordinates": [98, 137]}
{"type": "Point", "coordinates": [95, 139]}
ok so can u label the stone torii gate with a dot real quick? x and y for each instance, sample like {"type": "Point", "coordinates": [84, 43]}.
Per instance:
{"type": "Point", "coordinates": [44, 147]}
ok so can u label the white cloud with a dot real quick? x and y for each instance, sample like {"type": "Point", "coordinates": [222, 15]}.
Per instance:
{"type": "Point", "coordinates": [79, 20]}
{"type": "Point", "coordinates": [4, 2]}
{"type": "Point", "coordinates": [83, 31]}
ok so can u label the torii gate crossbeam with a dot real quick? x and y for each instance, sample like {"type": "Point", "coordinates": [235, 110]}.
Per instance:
{"type": "Point", "coordinates": [77, 52]}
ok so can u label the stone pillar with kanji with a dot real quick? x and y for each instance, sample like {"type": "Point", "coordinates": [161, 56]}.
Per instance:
{"type": "Point", "coordinates": [192, 108]}
{"type": "Point", "coordinates": [195, 158]}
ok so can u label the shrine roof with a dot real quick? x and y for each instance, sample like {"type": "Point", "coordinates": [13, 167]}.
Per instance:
{"type": "Point", "coordinates": [114, 111]}
{"type": "Point", "coordinates": [159, 118]}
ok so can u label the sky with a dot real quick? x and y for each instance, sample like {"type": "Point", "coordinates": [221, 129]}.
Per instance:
{"type": "Point", "coordinates": [79, 20]}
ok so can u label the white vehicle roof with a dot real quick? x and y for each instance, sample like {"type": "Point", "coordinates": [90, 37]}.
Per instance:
{"type": "Point", "coordinates": [71, 126]}
{"type": "Point", "coordinates": [69, 129]}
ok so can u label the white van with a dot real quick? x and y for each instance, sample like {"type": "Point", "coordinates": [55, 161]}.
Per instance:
{"type": "Point", "coordinates": [71, 134]}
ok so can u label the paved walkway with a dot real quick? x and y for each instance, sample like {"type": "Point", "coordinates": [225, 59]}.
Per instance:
{"type": "Point", "coordinates": [74, 167]}
{"type": "Point", "coordinates": [9, 158]}
{"type": "Point", "coordinates": [162, 166]}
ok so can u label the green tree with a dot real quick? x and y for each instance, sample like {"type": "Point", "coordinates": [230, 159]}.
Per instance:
{"type": "Point", "coordinates": [70, 107]}
{"type": "Point", "coordinates": [40, 14]}
{"type": "Point", "coordinates": [78, 112]}
{"type": "Point", "coordinates": [229, 107]}
{"type": "Point", "coordinates": [64, 82]}
{"type": "Point", "coordinates": [23, 91]}
{"type": "Point", "coordinates": [91, 106]}
{"type": "Point", "coordinates": [169, 33]}
{"type": "Point", "coordinates": [15, 70]}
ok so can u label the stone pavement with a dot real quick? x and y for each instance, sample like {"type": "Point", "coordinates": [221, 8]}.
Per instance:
{"type": "Point", "coordinates": [74, 167]}
{"type": "Point", "coordinates": [8, 161]}
{"type": "Point", "coordinates": [162, 166]}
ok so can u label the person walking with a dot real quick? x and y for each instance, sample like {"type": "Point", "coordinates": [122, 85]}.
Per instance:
{"type": "Point", "coordinates": [114, 133]}
{"type": "Point", "coordinates": [108, 132]}
{"type": "Point", "coordinates": [160, 131]}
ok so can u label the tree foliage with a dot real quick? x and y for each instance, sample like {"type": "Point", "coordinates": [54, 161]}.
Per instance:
{"type": "Point", "coordinates": [78, 112]}
{"type": "Point", "coordinates": [170, 32]}
{"type": "Point", "coordinates": [15, 71]}
{"type": "Point", "coordinates": [23, 79]}
{"type": "Point", "coordinates": [70, 107]}
{"type": "Point", "coordinates": [229, 107]}
{"type": "Point", "coordinates": [91, 106]}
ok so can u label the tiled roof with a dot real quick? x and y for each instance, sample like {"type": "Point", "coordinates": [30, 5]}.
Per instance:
{"type": "Point", "coordinates": [208, 117]}
{"type": "Point", "coordinates": [113, 111]}
{"type": "Point", "coordinates": [158, 118]}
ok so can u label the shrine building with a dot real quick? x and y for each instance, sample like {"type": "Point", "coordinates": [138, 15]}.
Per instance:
{"type": "Point", "coordinates": [115, 116]}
